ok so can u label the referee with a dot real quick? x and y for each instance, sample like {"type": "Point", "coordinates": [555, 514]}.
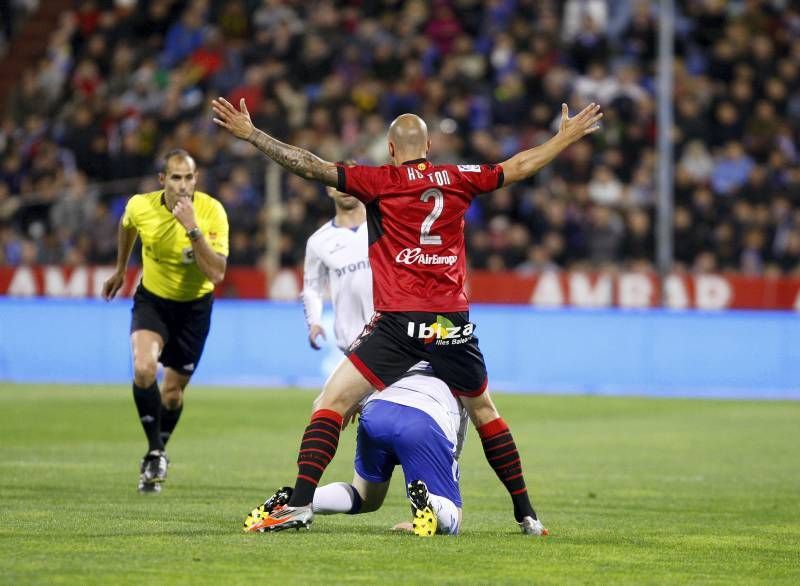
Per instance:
{"type": "Point", "coordinates": [184, 250]}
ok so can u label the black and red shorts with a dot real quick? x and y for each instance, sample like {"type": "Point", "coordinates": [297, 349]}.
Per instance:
{"type": "Point", "coordinates": [393, 342]}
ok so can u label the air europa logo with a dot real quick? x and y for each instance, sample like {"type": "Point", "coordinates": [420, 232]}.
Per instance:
{"type": "Point", "coordinates": [415, 256]}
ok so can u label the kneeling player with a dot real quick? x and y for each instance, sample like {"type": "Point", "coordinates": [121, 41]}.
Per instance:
{"type": "Point", "coordinates": [415, 218]}
{"type": "Point", "coordinates": [415, 422]}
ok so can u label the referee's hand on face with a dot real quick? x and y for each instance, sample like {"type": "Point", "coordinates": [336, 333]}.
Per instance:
{"type": "Point", "coordinates": [184, 213]}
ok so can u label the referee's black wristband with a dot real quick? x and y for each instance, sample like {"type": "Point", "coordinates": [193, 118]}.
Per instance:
{"type": "Point", "coordinates": [194, 234]}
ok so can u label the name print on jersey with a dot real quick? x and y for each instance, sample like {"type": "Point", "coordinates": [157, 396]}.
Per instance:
{"type": "Point", "coordinates": [412, 256]}
{"type": "Point", "coordinates": [440, 178]}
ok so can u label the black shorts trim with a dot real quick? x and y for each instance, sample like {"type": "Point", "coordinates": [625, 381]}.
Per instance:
{"type": "Point", "coordinates": [366, 372]}
{"type": "Point", "coordinates": [183, 325]}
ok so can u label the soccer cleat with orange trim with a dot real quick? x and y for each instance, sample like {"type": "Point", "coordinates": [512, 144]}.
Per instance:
{"type": "Point", "coordinates": [280, 518]}
{"type": "Point", "coordinates": [531, 526]}
{"type": "Point", "coordinates": [279, 498]}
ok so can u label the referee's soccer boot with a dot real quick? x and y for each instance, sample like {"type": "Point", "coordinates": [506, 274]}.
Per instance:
{"type": "Point", "coordinates": [531, 526]}
{"type": "Point", "coordinates": [279, 498]}
{"type": "Point", "coordinates": [280, 518]}
{"type": "Point", "coordinates": [425, 522]}
{"type": "Point", "coordinates": [153, 471]}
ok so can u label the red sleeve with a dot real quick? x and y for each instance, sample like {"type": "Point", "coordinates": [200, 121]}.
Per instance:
{"type": "Point", "coordinates": [364, 183]}
{"type": "Point", "coordinates": [481, 178]}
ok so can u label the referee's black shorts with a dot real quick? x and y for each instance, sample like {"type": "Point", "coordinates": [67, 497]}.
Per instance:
{"type": "Point", "coordinates": [183, 325]}
{"type": "Point", "coordinates": [393, 342]}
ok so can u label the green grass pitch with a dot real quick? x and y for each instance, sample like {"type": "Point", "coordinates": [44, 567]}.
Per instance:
{"type": "Point", "coordinates": [633, 490]}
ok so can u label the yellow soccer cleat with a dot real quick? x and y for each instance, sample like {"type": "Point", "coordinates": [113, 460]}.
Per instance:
{"type": "Point", "coordinates": [425, 522]}
{"type": "Point", "coordinates": [253, 518]}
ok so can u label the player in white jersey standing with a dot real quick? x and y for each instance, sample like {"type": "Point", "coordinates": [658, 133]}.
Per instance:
{"type": "Point", "coordinates": [337, 257]}
{"type": "Point", "coordinates": [415, 422]}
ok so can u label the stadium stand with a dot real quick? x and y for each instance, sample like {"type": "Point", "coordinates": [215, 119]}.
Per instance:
{"type": "Point", "coordinates": [121, 82]}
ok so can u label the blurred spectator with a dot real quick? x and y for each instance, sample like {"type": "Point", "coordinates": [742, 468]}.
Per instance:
{"type": "Point", "coordinates": [74, 209]}
{"type": "Point", "coordinates": [12, 15]}
{"type": "Point", "coordinates": [118, 88]}
{"type": "Point", "coordinates": [639, 243]}
{"type": "Point", "coordinates": [242, 251]}
{"type": "Point", "coordinates": [789, 257]}
{"type": "Point", "coordinates": [578, 12]}
{"type": "Point", "coordinates": [183, 37]}
{"type": "Point", "coordinates": [605, 236]}
{"type": "Point", "coordinates": [604, 188]}
{"type": "Point", "coordinates": [731, 170]}
{"type": "Point", "coordinates": [696, 161]}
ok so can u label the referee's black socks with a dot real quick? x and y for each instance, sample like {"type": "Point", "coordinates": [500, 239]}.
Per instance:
{"type": "Point", "coordinates": [148, 404]}
{"type": "Point", "coordinates": [169, 419]}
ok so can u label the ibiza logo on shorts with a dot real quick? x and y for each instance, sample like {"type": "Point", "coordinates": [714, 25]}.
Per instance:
{"type": "Point", "coordinates": [415, 256]}
{"type": "Point", "coordinates": [442, 332]}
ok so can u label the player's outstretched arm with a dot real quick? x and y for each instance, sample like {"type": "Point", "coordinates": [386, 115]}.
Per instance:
{"type": "Point", "coordinates": [299, 161]}
{"type": "Point", "coordinates": [527, 163]}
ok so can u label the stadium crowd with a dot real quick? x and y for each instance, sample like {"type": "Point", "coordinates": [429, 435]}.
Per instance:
{"type": "Point", "coordinates": [124, 82]}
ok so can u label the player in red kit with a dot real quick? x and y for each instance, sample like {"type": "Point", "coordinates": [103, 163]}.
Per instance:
{"type": "Point", "coordinates": [415, 217]}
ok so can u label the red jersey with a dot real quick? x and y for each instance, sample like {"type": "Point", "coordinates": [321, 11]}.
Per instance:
{"type": "Point", "coordinates": [415, 218]}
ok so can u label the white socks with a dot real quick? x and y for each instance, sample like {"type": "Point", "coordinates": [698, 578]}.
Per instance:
{"type": "Point", "coordinates": [338, 498]}
{"type": "Point", "coordinates": [333, 498]}
{"type": "Point", "coordinates": [446, 514]}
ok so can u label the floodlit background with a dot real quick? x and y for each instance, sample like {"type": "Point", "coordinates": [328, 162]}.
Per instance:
{"type": "Point", "coordinates": [94, 92]}
{"type": "Point", "coordinates": [657, 261]}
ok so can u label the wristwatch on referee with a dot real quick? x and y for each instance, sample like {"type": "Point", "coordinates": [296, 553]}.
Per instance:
{"type": "Point", "coordinates": [194, 233]}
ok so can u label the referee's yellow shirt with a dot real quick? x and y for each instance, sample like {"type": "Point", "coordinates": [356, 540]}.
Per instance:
{"type": "Point", "coordinates": [169, 269]}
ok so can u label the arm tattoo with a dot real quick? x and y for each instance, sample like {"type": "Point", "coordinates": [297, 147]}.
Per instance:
{"type": "Point", "coordinates": [298, 161]}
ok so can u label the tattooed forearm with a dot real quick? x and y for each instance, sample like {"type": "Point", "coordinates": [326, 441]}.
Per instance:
{"type": "Point", "coordinates": [298, 161]}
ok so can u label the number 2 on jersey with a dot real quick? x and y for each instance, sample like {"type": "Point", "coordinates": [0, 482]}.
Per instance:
{"type": "Point", "coordinates": [425, 236]}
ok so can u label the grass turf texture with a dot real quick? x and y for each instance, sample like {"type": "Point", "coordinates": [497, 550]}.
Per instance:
{"type": "Point", "coordinates": [633, 490]}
